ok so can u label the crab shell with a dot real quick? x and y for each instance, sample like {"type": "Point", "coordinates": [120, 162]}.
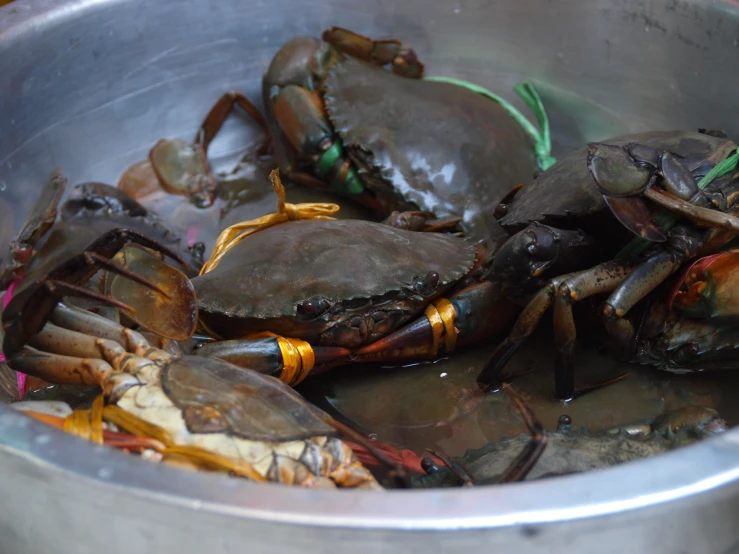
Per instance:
{"type": "Point", "coordinates": [425, 145]}
{"type": "Point", "coordinates": [241, 415]}
{"type": "Point", "coordinates": [566, 191]}
{"type": "Point", "coordinates": [367, 279]}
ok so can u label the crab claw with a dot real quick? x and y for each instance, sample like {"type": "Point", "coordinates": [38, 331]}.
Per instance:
{"type": "Point", "coordinates": [182, 168]}
{"type": "Point", "coordinates": [469, 316]}
{"type": "Point", "coordinates": [290, 360]}
{"type": "Point", "coordinates": [399, 56]}
{"type": "Point", "coordinates": [622, 174]}
{"type": "Point", "coordinates": [40, 219]}
{"type": "Point", "coordinates": [708, 288]}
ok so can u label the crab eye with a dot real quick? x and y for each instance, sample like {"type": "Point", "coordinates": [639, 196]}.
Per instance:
{"type": "Point", "coordinates": [311, 308]}
{"type": "Point", "coordinates": [531, 249]}
{"type": "Point", "coordinates": [427, 284]}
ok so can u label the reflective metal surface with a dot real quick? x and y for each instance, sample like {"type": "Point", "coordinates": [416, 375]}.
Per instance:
{"type": "Point", "coordinates": [90, 85]}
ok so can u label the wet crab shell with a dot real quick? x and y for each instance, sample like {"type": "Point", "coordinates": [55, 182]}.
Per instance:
{"type": "Point", "coordinates": [431, 146]}
{"type": "Point", "coordinates": [362, 277]}
{"type": "Point", "coordinates": [566, 190]}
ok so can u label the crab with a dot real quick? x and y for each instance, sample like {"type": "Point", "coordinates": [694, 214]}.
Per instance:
{"type": "Point", "coordinates": [216, 413]}
{"type": "Point", "coordinates": [691, 325]}
{"type": "Point", "coordinates": [178, 167]}
{"type": "Point", "coordinates": [574, 225]}
{"type": "Point", "coordinates": [391, 140]}
{"type": "Point", "coordinates": [576, 450]}
{"type": "Point", "coordinates": [117, 231]}
{"type": "Point", "coordinates": [341, 291]}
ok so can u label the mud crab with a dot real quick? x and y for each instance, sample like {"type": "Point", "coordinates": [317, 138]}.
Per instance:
{"type": "Point", "coordinates": [218, 414]}
{"type": "Point", "coordinates": [343, 290]}
{"type": "Point", "coordinates": [574, 451]}
{"type": "Point", "coordinates": [691, 326]}
{"type": "Point", "coordinates": [199, 402]}
{"type": "Point", "coordinates": [101, 229]}
{"type": "Point", "coordinates": [179, 167]}
{"type": "Point", "coordinates": [391, 140]}
{"type": "Point", "coordinates": [574, 223]}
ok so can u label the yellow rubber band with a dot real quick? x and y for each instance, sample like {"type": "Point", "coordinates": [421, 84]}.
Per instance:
{"type": "Point", "coordinates": [134, 425]}
{"type": "Point", "coordinates": [285, 212]}
{"type": "Point", "coordinates": [78, 423]}
{"type": "Point", "coordinates": [437, 327]}
{"type": "Point", "coordinates": [441, 316]}
{"type": "Point", "coordinates": [298, 357]}
{"type": "Point", "coordinates": [96, 420]}
{"type": "Point", "coordinates": [88, 424]}
{"type": "Point", "coordinates": [448, 315]}
{"type": "Point", "coordinates": [214, 461]}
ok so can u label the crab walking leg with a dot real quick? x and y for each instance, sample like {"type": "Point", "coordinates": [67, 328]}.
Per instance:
{"type": "Point", "coordinates": [697, 214]}
{"type": "Point", "coordinates": [30, 308]}
{"type": "Point", "coordinates": [602, 278]}
{"type": "Point", "coordinates": [40, 219]}
{"type": "Point", "coordinates": [526, 460]}
{"type": "Point", "coordinates": [525, 325]}
{"type": "Point", "coordinates": [220, 111]}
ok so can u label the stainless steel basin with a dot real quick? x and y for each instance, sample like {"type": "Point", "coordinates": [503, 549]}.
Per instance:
{"type": "Point", "coordinates": [89, 85]}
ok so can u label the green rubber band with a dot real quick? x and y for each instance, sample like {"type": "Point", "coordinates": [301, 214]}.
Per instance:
{"type": "Point", "coordinates": [542, 138]}
{"type": "Point", "coordinates": [328, 159]}
{"type": "Point", "coordinates": [665, 219]}
{"type": "Point", "coordinates": [352, 184]}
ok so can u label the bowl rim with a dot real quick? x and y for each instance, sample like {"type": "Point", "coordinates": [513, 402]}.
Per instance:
{"type": "Point", "coordinates": [694, 470]}
{"type": "Point", "coordinates": [631, 486]}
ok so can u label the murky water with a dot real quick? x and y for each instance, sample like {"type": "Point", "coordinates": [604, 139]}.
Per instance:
{"type": "Point", "coordinates": [438, 404]}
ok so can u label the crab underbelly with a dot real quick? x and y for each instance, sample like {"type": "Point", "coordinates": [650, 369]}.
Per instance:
{"type": "Point", "coordinates": [151, 404]}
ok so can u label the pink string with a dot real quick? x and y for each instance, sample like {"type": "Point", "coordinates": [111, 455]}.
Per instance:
{"type": "Point", "coordinates": [192, 234]}
{"type": "Point", "coordinates": [21, 377]}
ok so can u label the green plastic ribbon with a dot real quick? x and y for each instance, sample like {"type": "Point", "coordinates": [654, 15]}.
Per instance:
{"type": "Point", "coordinates": [665, 219]}
{"type": "Point", "coordinates": [541, 137]}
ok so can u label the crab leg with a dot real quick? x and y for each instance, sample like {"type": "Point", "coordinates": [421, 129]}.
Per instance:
{"type": "Point", "coordinates": [525, 325]}
{"type": "Point", "coordinates": [29, 310]}
{"type": "Point", "coordinates": [88, 323]}
{"type": "Point", "coordinates": [697, 214]}
{"type": "Point", "coordinates": [402, 58]}
{"type": "Point", "coordinates": [562, 292]}
{"type": "Point", "coordinates": [421, 221]}
{"type": "Point", "coordinates": [526, 460]}
{"type": "Point", "coordinates": [220, 111]}
{"type": "Point", "coordinates": [39, 220]}
{"type": "Point", "coordinates": [640, 283]}
{"type": "Point", "coordinates": [63, 370]}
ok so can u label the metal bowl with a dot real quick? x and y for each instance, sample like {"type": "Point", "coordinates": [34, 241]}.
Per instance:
{"type": "Point", "coordinates": [90, 85]}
